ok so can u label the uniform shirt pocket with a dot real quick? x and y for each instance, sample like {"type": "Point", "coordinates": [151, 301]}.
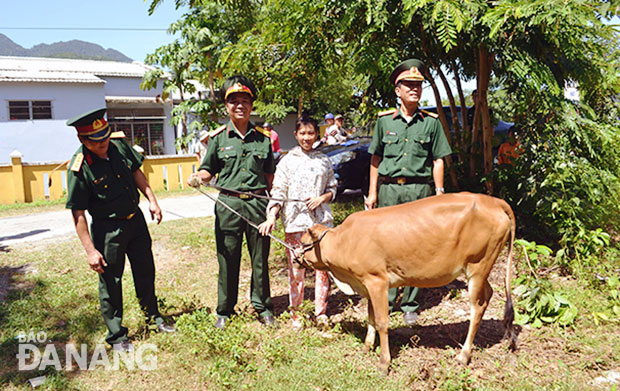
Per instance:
{"type": "Point", "coordinates": [228, 157]}
{"type": "Point", "coordinates": [392, 145]}
{"type": "Point", "coordinates": [421, 146]}
{"type": "Point", "coordinates": [260, 152]}
{"type": "Point", "coordinates": [106, 189]}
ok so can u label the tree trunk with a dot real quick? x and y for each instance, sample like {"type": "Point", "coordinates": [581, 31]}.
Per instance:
{"type": "Point", "coordinates": [300, 105]}
{"type": "Point", "coordinates": [446, 129]}
{"type": "Point", "coordinates": [456, 125]}
{"type": "Point", "coordinates": [212, 89]}
{"type": "Point", "coordinates": [464, 119]}
{"type": "Point", "coordinates": [484, 75]}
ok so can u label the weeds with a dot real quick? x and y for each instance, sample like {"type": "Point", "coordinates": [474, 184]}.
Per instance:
{"type": "Point", "coordinates": [52, 290]}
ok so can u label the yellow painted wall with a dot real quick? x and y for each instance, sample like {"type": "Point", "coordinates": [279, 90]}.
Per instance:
{"type": "Point", "coordinates": [6, 190]}
{"type": "Point", "coordinates": [153, 168]}
{"type": "Point", "coordinates": [34, 182]}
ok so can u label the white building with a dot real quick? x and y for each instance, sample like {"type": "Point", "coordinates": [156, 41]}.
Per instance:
{"type": "Point", "coordinates": [38, 95]}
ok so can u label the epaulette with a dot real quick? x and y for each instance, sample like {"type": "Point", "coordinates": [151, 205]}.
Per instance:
{"type": "Point", "coordinates": [264, 131]}
{"type": "Point", "coordinates": [77, 162]}
{"type": "Point", "coordinates": [217, 131]}
{"type": "Point", "coordinates": [118, 134]}
{"type": "Point", "coordinates": [386, 112]}
{"type": "Point", "coordinates": [430, 113]}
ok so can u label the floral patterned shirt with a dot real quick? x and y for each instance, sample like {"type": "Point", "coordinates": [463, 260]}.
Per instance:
{"type": "Point", "coordinates": [302, 175]}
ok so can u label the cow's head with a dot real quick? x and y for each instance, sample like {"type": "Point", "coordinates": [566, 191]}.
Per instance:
{"type": "Point", "coordinates": [309, 253]}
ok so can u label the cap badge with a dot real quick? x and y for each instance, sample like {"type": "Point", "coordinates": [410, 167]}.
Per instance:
{"type": "Point", "coordinates": [97, 124]}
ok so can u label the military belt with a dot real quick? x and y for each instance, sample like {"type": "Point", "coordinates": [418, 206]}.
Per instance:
{"type": "Point", "coordinates": [245, 195]}
{"type": "Point", "coordinates": [403, 180]}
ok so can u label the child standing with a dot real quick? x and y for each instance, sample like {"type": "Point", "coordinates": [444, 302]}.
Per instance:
{"type": "Point", "coordinates": [303, 174]}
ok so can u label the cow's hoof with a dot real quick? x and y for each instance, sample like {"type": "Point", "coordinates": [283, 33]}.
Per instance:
{"type": "Point", "coordinates": [463, 358]}
{"type": "Point", "coordinates": [383, 367]}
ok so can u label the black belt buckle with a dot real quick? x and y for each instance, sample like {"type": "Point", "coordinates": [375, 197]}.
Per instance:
{"type": "Point", "coordinates": [401, 180]}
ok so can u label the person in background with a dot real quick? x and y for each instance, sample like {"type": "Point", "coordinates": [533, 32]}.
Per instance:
{"type": "Point", "coordinates": [203, 141]}
{"type": "Point", "coordinates": [335, 133]}
{"type": "Point", "coordinates": [329, 119]}
{"type": "Point", "coordinates": [471, 110]}
{"type": "Point", "coordinates": [240, 153]}
{"type": "Point", "coordinates": [407, 150]}
{"type": "Point", "coordinates": [303, 174]}
{"type": "Point", "coordinates": [509, 150]}
{"type": "Point", "coordinates": [275, 141]}
{"type": "Point", "coordinates": [104, 177]}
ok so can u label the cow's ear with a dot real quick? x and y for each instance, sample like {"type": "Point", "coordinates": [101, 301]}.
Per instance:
{"type": "Point", "coordinates": [311, 233]}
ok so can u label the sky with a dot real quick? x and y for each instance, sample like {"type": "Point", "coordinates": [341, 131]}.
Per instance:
{"type": "Point", "coordinates": [104, 19]}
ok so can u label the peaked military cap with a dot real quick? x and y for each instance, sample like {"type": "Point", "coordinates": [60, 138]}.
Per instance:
{"type": "Point", "coordinates": [408, 70]}
{"type": "Point", "coordinates": [91, 125]}
{"type": "Point", "coordinates": [238, 83]}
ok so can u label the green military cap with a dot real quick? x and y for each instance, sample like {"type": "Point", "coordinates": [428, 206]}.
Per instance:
{"type": "Point", "coordinates": [238, 83]}
{"type": "Point", "coordinates": [408, 70]}
{"type": "Point", "coordinates": [91, 125]}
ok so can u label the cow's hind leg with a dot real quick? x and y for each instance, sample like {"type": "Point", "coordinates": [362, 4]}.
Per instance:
{"type": "Point", "coordinates": [377, 295]}
{"type": "Point", "coordinates": [480, 293]}
{"type": "Point", "coordinates": [369, 342]}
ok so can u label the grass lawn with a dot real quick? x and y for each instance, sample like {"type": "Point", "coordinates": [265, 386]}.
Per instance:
{"type": "Point", "coordinates": [47, 287]}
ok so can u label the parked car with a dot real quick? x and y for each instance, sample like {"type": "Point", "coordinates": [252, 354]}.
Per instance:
{"type": "Point", "coordinates": [351, 160]}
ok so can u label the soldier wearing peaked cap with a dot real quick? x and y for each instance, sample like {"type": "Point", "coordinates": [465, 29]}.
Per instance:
{"type": "Point", "coordinates": [240, 153]}
{"type": "Point", "coordinates": [407, 148]}
{"type": "Point", "coordinates": [104, 177]}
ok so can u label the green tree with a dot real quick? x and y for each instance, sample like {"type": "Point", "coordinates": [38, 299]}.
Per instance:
{"type": "Point", "coordinates": [320, 55]}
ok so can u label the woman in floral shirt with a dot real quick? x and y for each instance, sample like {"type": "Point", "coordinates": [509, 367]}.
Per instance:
{"type": "Point", "coordinates": [303, 174]}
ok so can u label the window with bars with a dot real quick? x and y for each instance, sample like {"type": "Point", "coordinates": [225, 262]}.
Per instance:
{"type": "Point", "coordinates": [142, 126]}
{"type": "Point", "coordinates": [30, 109]}
{"type": "Point", "coordinates": [147, 134]}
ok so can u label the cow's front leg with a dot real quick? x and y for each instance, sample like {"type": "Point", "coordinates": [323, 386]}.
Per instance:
{"type": "Point", "coordinates": [369, 343]}
{"type": "Point", "coordinates": [377, 293]}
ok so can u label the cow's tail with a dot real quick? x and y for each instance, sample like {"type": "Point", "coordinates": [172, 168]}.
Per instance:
{"type": "Point", "coordinates": [509, 314]}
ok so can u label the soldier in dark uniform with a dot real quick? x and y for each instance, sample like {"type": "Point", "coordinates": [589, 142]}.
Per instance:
{"type": "Point", "coordinates": [241, 154]}
{"type": "Point", "coordinates": [407, 149]}
{"type": "Point", "coordinates": [104, 177]}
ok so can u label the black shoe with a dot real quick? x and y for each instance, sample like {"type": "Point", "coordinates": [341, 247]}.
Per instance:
{"type": "Point", "coordinates": [123, 346]}
{"type": "Point", "coordinates": [166, 328]}
{"type": "Point", "coordinates": [220, 323]}
{"type": "Point", "coordinates": [410, 318]}
{"type": "Point", "coordinates": [269, 321]}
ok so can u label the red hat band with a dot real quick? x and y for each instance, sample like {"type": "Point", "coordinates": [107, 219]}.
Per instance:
{"type": "Point", "coordinates": [97, 126]}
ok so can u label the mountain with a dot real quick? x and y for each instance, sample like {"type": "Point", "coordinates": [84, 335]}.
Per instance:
{"type": "Point", "coordinates": [72, 49]}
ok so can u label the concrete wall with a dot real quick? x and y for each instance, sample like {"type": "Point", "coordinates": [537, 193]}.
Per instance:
{"type": "Point", "coordinates": [285, 132]}
{"type": "Point", "coordinates": [45, 140]}
{"type": "Point", "coordinates": [52, 140]}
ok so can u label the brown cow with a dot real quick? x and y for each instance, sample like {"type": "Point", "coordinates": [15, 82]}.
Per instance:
{"type": "Point", "coordinates": [425, 243]}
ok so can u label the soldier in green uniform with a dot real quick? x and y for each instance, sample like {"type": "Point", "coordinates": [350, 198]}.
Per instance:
{"type": "Point", "coordinates": [104, 177]}
{"type": "Point", "coordinates": [407, 150]}
{"type": "Point", "coordinates": [240, 153]}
